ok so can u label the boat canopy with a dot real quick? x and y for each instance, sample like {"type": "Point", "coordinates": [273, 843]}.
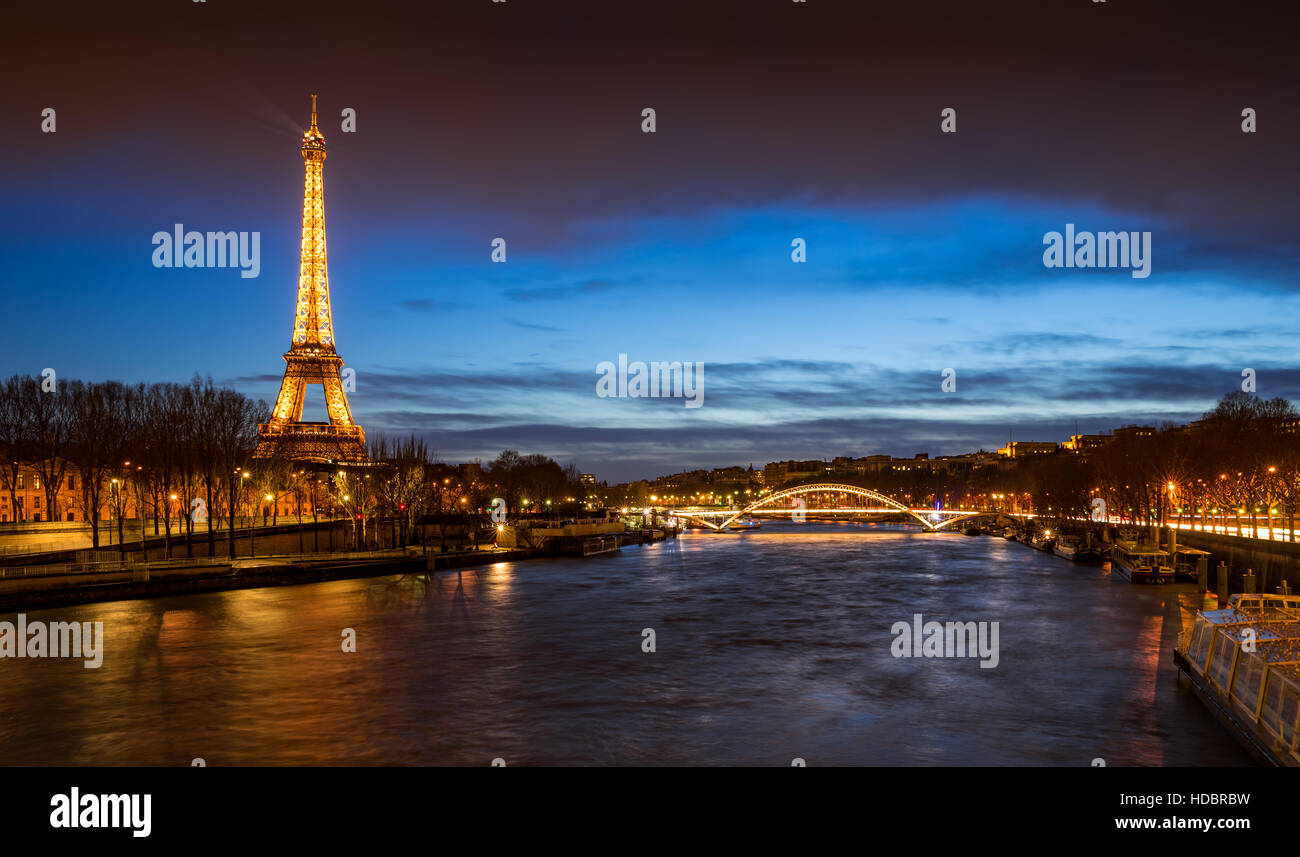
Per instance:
{"type": "Point", "coordinates": [1250, 653]}
{"type": "Point", "coordinates": [1250, 602]}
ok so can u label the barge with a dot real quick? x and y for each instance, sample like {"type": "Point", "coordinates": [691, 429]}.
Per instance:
{"type": "Point", "coordinates": [1141, 564]}
{"type": "Point", "coordinates": [1243, 662]}
{"type": "Point", "coordinates": [1069, 548]}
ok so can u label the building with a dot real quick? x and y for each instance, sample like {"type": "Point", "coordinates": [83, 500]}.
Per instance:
{"type": "Point", "coordinates": [23, 499]}
{"type": "Point", "coordinates": [777, 473]}
{"type": "Point", "coordinates": [1027, 448]}
{"type": "Point", "coordinates": [1082, 444]}
{"type": "Point", "coordinates": [1134, 431]}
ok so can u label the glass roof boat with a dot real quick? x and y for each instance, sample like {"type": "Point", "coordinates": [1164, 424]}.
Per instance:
{"type": "Point", "coordinates": [1244, 663]}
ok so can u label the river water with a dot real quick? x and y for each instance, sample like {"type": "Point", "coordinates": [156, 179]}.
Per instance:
{"type": "Point", "coordinates": [769, 646]}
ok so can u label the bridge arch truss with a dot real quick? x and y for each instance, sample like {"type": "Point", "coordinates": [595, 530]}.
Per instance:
{"type": "Point", "coordinates": [931, 520]}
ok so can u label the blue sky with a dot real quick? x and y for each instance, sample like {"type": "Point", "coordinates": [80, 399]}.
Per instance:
{"type": "Point", "coordinates": [841, 354]}
{"type": "Point", "coordinates": [924, 250]}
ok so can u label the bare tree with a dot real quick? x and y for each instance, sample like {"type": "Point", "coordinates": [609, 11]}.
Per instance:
{"type": "Point", "coordinates": [234, 425]}
{"type": "Point", "coordinates": [49, 426]}
{"type": "Point", "coordinates": [103, 421]}
{"type": "Point", "coordinates": [402, 481]}
{"type": "Point", "coordinates": [15, 442]}
{"type": "Point", "coordinates": [203, 400]}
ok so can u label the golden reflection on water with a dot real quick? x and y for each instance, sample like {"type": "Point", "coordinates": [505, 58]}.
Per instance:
{"type": "Point", "coordinates": [770, 645]}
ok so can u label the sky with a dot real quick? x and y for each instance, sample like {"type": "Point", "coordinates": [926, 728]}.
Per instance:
{"type": "Point", "coordinates": [774, 121]}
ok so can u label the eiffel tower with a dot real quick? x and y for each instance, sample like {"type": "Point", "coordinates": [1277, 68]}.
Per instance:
{"type": "Point", "coordinates": [312, 358]}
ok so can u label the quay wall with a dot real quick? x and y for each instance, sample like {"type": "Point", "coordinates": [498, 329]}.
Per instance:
{"type": "Point", "coordinates": [118, 586]}
{"type": "Point", "coordinates": [1271, 561]}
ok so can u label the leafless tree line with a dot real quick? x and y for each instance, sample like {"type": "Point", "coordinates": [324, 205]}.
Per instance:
{"type": "Point", "coordinates": [1239, 463]}
{"type": "Point", "coordinates": [182, 454]}
{"type": "Point", "coordinates": [176, 450]}
{"type": "Point", "coordinates": [1242, 461]}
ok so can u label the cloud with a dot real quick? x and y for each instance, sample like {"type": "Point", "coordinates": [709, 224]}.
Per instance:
{"type": "Point", "coordinates": [544, 327]}
{"type": "Point", "coordinates": [759, 411]}
{"type": "Point", "coordinates": [557, 292]}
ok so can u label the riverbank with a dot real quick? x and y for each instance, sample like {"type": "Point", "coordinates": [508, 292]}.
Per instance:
{"type": "Point", "coordinates": [31, 587]}
{"type": "Point", "coordinates": [152, 581]}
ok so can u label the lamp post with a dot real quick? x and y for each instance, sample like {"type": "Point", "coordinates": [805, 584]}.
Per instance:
{"type": "Point", "coordinates": [269, 498]}
{"type": "Point", "coordinates": [112, 498]}
{"type": "Point", "coordinates": [243, 496]}
{"type": "Point", "coordinates": [347, 500]}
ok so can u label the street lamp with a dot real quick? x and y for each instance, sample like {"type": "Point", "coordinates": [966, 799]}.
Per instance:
{"type": "Point", "coordinates": [112, 501]}
{"type": "Point", "coordinates": [243, 474]}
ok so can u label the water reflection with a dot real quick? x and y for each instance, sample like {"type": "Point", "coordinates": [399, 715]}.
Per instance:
{"type": "Point", "coordinates": [770, 645]}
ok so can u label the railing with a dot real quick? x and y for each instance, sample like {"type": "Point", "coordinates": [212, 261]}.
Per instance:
{"type": "Point", "coordinates": [271, 429]}
{"type": "Point", "coordinates": [105, 567]}
{"type": "Point", "coordinates": [75, 568]}
{"type": "Point", "coordinates": [108, 541]}
{"type": "Point", "coordinates": [16, 550]}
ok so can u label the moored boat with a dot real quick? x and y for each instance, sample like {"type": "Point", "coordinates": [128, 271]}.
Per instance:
{"type": "Point", "coordinates": [1043, 540]}
{"type": "Point", "coordinates": [1244, 664]}
{"type": "Point", "coordinates": [1141, 564]}
{"type": "Point", "coordinates": [1070, 548]}
{"type": "Point", "coordinates": [1067, 547]}
{"type": "Point", "coordinates": [1187, 562]}
{"type": "Point", "coordinates": [1087, 553]}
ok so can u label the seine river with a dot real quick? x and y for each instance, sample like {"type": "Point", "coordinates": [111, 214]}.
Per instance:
{"type": "Point", "coordinates": [769, 646]}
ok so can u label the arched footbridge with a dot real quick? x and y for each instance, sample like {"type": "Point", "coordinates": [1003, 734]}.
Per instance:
{"type": "Point", "coordinates": [789, 502]}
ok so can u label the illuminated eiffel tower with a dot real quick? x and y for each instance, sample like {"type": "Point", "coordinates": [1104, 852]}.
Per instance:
{"type": "Point", "coordinates": [312, 358]}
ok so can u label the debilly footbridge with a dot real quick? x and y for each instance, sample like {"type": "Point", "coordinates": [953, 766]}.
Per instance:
{"type": "Point", "coordinates": [787, 502]}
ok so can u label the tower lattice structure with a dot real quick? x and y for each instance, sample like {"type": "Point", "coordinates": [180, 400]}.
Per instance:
{"type": "Point", "coordinates": [312, 357]}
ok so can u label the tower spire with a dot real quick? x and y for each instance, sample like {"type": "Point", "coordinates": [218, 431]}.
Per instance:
{"type": "Point", "coordinates": [314, 129]}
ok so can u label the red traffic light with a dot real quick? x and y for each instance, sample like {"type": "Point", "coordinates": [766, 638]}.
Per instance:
{"type": "Point", "coordinates": [402, 507]}
{"type": "Point", "coordinates": [358, 517]}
